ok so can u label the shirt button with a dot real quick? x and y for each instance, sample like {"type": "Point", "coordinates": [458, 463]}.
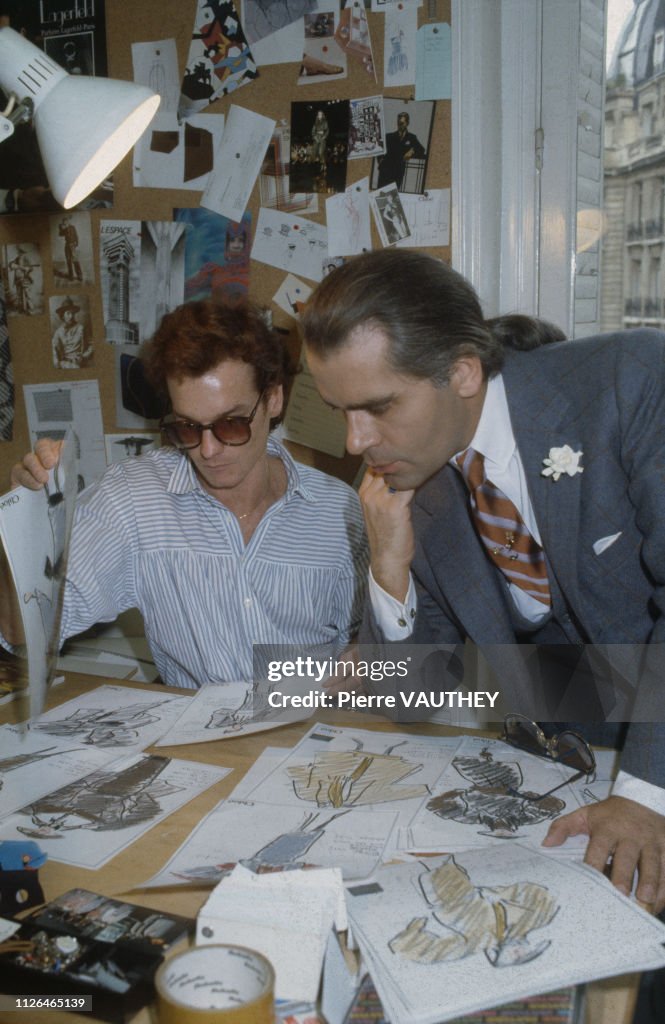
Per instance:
{"type": "Point", "coordinates": [247, 602]}
{"type": "Point", "coordinates": [401, 622]}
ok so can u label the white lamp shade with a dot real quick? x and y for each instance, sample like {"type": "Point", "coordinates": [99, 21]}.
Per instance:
{"type": "Point", "coordinates": [85, 126]}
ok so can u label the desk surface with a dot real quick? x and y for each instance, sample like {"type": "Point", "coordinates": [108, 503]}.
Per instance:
{"type": "Point", "coordinates": [608, 1002]}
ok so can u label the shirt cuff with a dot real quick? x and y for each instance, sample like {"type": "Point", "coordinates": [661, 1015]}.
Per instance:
{"type": "Point", "coordinates": [394, 619]}
{"type": "Point", "coordinates": [641, 792]}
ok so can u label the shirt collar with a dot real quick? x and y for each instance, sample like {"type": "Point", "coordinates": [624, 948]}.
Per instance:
{"type": "Point", "coordinates": [494, 437]}
{"type": "Point", "coordinates": [184, 480]}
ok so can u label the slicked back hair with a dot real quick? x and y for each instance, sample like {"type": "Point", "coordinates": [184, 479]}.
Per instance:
{"type": "Point", "coordinates": [429, 313]}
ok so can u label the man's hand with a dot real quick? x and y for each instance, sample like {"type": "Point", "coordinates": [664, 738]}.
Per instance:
{"type": "Point", "coordinates": [629, 835]}
{"type": "Point", "coordinates": [390, 533]}
{"type": "Point", "coordinates": [34, 468]}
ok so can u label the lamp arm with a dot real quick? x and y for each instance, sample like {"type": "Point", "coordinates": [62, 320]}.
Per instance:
{"type": "Point", "coordinates": [15, 113]}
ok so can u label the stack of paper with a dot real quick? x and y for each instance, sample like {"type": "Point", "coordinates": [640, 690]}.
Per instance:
{"type": "Point", "coordinates": [277, 914]}
{"type": "Point", "coordinates": [456, 934]}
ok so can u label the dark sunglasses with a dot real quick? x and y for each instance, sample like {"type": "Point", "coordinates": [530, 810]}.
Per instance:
{"type": "Point", "coordinates": [567, 748]}
{"type": "Point", "coordinates": [233, 430]}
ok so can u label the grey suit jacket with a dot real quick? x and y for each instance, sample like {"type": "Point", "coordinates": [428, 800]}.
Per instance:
{"type": "Point", "coordinates": [604, 396]}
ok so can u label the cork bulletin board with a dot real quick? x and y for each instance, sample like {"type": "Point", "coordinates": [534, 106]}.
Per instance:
{"type": "Point", "coordinates": [271, 94]}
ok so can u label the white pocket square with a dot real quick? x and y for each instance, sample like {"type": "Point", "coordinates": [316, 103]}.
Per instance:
{"type": "Point", "coordinates": [605, 542]}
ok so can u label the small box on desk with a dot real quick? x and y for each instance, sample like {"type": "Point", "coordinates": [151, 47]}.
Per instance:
{"type": "Point", "coordinates": [87, 944]}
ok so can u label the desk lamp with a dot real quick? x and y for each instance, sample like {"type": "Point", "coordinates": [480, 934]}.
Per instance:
{"type": "Point", "coordinates": [84, 125]}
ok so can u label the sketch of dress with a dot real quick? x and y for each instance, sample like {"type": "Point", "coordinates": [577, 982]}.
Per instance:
{"type": "Point", "coordinates": [253, 708]}
{"type": "Point", "coordinates": [348, 778]}
{"type": "Point", "coordinates": [9, 764]}
{"type": "Point", "coordinates": [103, 801]}
{"type": "Point", "coordinates": [101, 727]}
{"type": "Point", "coordinates": [495, 799]}
{"type": "Point", "coordinates": [285, 852]}
{"type": "Point", "coordinates": [467, 919]}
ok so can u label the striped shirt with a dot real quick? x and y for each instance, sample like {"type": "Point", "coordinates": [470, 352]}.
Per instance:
{"type": "Point", "coordinates": [148, 536]}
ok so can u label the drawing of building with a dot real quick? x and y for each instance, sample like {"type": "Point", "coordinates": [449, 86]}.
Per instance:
{"type": "Point", "coordinates": [119, 254]}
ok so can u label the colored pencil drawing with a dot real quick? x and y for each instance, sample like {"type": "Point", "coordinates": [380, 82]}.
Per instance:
{"type": "Point", "coordinates": [466, 919]}
{"type": "Point", "coordinates": [495, 799]}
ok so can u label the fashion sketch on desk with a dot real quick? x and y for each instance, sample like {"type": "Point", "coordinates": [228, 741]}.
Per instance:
{"type": "Point", "coordinates": [348, 778]}
{"type": "Point", "coordinates": [495, 799]}
{"type": "Point", "coordinates": [465, 919]}
{"type": "Point", "coordinates": [119, 727]}
{"type": "Point", "coordinates": [104, 801]}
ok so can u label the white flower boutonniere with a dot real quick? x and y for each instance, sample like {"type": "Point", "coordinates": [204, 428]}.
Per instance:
{"type": "Point", "coordinates": [562, 460]}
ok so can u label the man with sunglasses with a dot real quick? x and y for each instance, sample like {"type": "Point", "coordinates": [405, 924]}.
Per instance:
{"type": "Point", "coordinates": [220, 539]}
{"type": "Point", "coordinates": [571, 437]}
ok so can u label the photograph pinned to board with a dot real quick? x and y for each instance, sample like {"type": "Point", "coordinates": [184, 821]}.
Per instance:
{"type": "Point", "coordinates": [389, 215]}
{"type": "Point", "coordinates": [137, 405]}
{"type": "Point", "coordinates": [353, 36]}
{"type": "Point", "coordinates": [264, 838]}
{"type": "Point", "coordinates": [142, 276]}
{"type": "Point", "coordinates": [217, 254]}
{"type": "Point", "coordinates": [88, 822]}
{"type": "Point", "coordinates": [319, 144]}
{"type": "Point", "coordinates": [71, 331]}
{"type": "Point", "coordinates": [262, 18]}
{"type": "Point", "coordinates": [53, 408]}
{"type": "Point", "coordinates": [428, 217]}
{"type": "Point", "coordinates": [408, 138]}
{"type": "Point", "coordinates": [309, 421]}
{"type": "Point", "coordinates": [366, 131]}
{"type": "Point", "coordinates": [34, 528]}
{"type": "Point", "coordinates": [71, 249]}
{"type": "Point", "coordinates": [274, 176]}
{"type": "Point", "coordinates": [23, 275]}
{"type": "Point", "coordinates": [219, 60]}
{"type": "Point", "coordinates": [323, 59]}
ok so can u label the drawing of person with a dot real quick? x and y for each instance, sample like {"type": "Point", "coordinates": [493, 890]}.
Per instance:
{"type": "Point", "coordinates": [101, 728]}
{"type": "Point", "coordinates": [401, 146]}
{"type": "Point", "coordinates": [495, 799]}
{"type": "Point", "coordinates": [69, 235]}
{"type": "Point", "coordinates": [22, 280]}
{"type": "Point", "coordinates": [320, 132]}
{"type": "Point", "coordinates": [494, 920]}
{"type": "Point", "coordinates": [70, 350]}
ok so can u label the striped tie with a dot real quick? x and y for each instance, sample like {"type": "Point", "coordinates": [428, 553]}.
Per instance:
{"type": "Point", "coordinates": [505, 538]}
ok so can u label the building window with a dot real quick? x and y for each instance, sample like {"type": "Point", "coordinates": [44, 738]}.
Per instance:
{"type": "Point", "coordinates": [658, 50]}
